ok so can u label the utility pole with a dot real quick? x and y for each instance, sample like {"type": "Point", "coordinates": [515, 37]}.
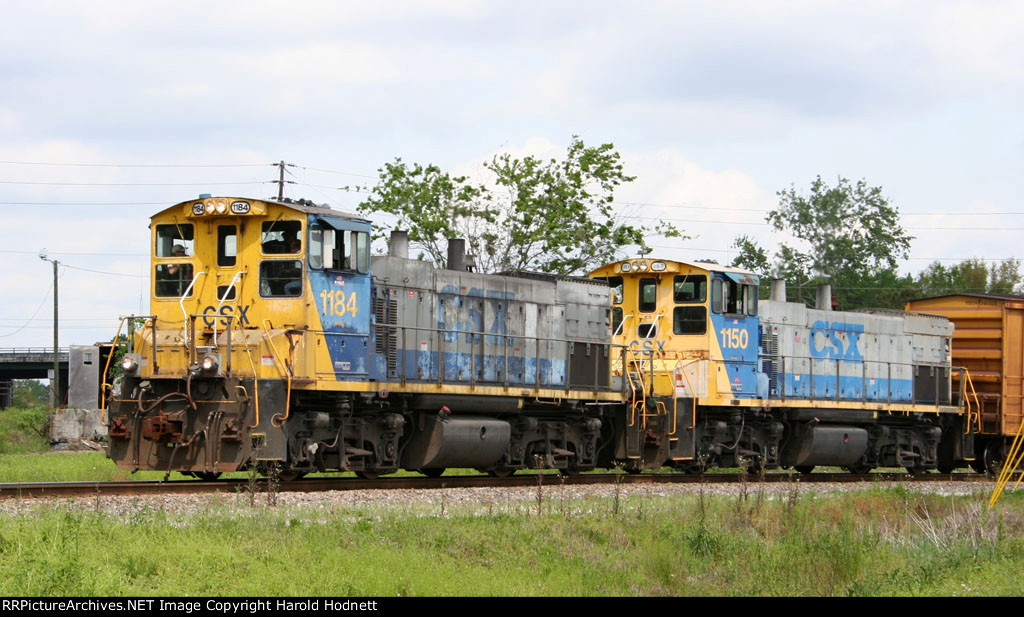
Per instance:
{"type": "Point", "coordinates": [55, 382]}
{"type": "Point", "coordinates": [280, 183]}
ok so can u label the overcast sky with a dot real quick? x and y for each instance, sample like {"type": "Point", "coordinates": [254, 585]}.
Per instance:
{"type": "Point", "coordinates": [715, 106]}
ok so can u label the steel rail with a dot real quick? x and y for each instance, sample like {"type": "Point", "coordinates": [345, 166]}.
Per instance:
{"type": "Point", "coordinates": [321, 484]}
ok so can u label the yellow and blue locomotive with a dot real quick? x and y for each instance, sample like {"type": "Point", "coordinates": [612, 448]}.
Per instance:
{"type": "Point", "coordinates": [718, 377]}
{"type": "Point", "coordinates": [275, 337]}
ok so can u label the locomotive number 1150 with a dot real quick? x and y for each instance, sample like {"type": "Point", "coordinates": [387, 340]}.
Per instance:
{"type": "Point", "coordinates": [735, 338]}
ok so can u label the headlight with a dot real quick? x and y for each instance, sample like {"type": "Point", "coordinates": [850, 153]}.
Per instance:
{"type": "Point", "coordinates": [221, 207]}
{"type": "Point", "coordinates": [128, 364]}
{"type": "Point", "coordinates": [210, 207]}
{"type": "Point", "coordinates": [209, 364]}
{"type": "Point", "coordinates": [643, 266]}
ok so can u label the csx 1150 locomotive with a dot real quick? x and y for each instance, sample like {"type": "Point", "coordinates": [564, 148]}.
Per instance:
{"type": "Point", "coordinates": [276, 338]}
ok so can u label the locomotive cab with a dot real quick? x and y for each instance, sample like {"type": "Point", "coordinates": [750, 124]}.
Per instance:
{"type": "Point", "coordinates": [692, 328]}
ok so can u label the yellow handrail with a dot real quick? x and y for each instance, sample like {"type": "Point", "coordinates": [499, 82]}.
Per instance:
{"type": "Point", "coordinates": [1009, 467]}
{"type": "Point", "coordinates": [977, 403]}
{"type": "Point", "coordinates": [106, 368]}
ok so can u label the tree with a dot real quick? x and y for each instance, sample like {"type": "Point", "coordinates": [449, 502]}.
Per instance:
{"type": "Point", "coordinates": [431, 205]}
{"type": "Point", "coordinates": [852, 239]}
{"type": "Point", "coordinates": [29, 393]}
{"type": "Point", "coordinates": [971, 276]}
{"type": "Point", "coordinates": [553, 216]}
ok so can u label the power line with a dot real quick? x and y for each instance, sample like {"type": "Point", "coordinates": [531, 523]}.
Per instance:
{"type": "Point", "coordinates": [328, 171]}
{"type": "Point", "coordinates": [86, 254]}
{"type": "Point", "coordinates": [82, 203]}
{"type": "Point", "coordinates": [155, 165]}
{"type": "Point", "coordinates": [38, 308]}
{"type": "Point", "coordinates": [137, 183]}
{"type": "Point", "coordinates": [138, 276]}
{"type": "Point", "coordinates": [720, 222]}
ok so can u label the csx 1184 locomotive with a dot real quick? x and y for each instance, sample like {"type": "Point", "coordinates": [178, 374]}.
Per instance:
{"type": "Point", "coordinates": [275, 338]}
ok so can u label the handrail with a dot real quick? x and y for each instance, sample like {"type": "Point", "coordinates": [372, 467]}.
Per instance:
{"type": "Point", "coordinates": [399, 332]}
{"type": "Point", "coordinates": [106, 368]}
{"type": "Point", "coordinates": [181, 303]}
{"type": "Point", "coordinates": [783, 359]}
{"type": "Point", "coordinates": [1009, 467]}
{"type": "Point", "coordinates": [977, 403]}
{"type": "Point", "coordinates": [622, 324]}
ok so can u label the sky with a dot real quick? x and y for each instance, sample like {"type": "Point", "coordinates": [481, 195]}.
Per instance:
{"type": "Point", "coordinates": [112, 111]}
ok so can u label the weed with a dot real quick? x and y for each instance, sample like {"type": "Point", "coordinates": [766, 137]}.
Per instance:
{"type": "Point", "coordinates": [252, 483]}
{"type": "Point", "coordinates": [273, 483]}
{"type": "Point", "coordinates": [618, 487]}
{"type": "Point", "coordinates": [540, 484]}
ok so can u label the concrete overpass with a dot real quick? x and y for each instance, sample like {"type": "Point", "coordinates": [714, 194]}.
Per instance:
{"type": "Point", "coordinates": [30, 363]}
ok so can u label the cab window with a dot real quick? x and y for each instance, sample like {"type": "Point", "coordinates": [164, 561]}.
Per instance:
{"type": "Point", "coordinates": [174, 240]}
{"type": "Point", "coordinates": [316, 248]}
{"type": "Point", "coordinates": [615, 284]}
{"type": "Point", "coordinates": [172, 280]}
{"type": "Point", "coordinates": [689, 320]}
{"type": "Point", "coordinates": [690, 288]}
{"type": "Point", "coordinates": [341, 249]}
{"type": "Point", "coordinates": [648, 295]}
{"type": "Point", "coordinates": [732, 298]}
{"type": "Point", "coordinates": [281, 237]}
{"type": "Point", "coordinates": [281, 278]}
{"type": "Point", "coordinates": [227, 245]}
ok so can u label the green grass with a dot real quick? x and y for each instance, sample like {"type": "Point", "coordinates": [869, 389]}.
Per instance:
{"type": "Point", "coordinates": [23, 430]}
{"type": "Point", "coordinates": [872, 542]}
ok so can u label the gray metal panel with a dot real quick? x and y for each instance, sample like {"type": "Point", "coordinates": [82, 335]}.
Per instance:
{"type": "Point", "coordinates": [84, 377]}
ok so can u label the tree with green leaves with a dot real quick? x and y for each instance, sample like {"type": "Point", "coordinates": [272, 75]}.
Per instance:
{"type": "Point", "coordinates": [29, 393]}
{"type": "Point", "coordinates": [849, 235]}
{"type": "Point", "coordinates": [971, 276]}
{"type": "Point", "coordinates": [430, 204]}
{"type": "Point", "coordinates": [551, 215]}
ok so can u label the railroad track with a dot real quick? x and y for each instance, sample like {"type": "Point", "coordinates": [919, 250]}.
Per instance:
{"type": "Point", "coordinates": [318, 484]}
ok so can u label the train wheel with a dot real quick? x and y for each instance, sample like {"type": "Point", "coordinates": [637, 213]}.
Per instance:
{"type": "Point", "coordinates": [859, 469]}
{"type": "Point", "coordinates": [206, 476]}
{"type": "Point", "coordinates": [368, 475]}
{"type": "Point", "coordinates": [804, 469]}
{"type": "Point", "coordinates": [290, 476]}
{"type": "Point", "coordinates": [433, 473]}
{"type": "Point", "coordinates": [500, 473]}
{"type": "Point", "coordinates": [993, 458]}
{"type": "Point", "coordinates": [916, 471]}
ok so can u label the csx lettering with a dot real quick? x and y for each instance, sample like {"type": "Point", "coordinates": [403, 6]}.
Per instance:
{"type": "Point", "coordinates": [468, 316]}
{"type": "Point", "coordinates": [831, 345]}
{"type": "Point", "coordinates": [226, 311]}
{"type": "Point", "coordinates": [647, 348]}
{"type": "Point", "coordinates": [335, 303]}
